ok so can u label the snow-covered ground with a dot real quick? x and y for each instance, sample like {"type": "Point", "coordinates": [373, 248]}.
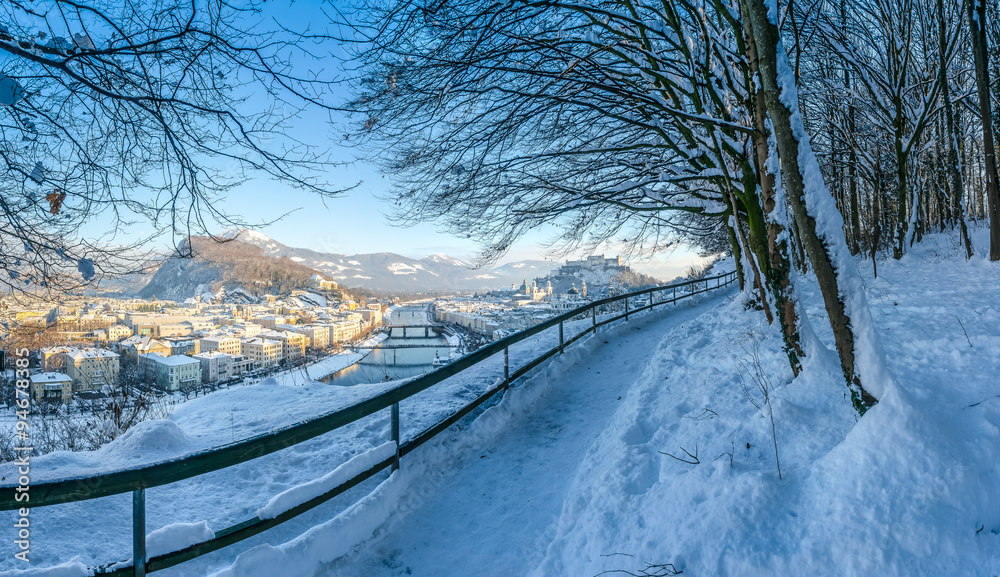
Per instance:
{"type": "Point", "coordinates": [568, 475]}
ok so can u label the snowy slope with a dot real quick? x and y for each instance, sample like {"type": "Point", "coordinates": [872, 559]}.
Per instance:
{"type": "Point", "coordinates": [490, 509]}
{"type": "Point", "coordinates": [78, 535]}
{"type": "Point", "coordinates": [910, 489]}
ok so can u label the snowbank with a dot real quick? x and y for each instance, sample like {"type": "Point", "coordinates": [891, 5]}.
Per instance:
{"type": "Point", "coordinates": [326, 541]}
{"type": "Point", "coordinates": [299, 494]}
{"type": "Point", "coordinates": [910, 489]}
{"type": "Point", "coordinates": [176, 536]}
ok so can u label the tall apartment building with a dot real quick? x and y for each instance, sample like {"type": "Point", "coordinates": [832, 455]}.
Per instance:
{"type": "Point", "coordinates": [51, 357]}
{"type": "Point", "coordinates": [90, 369]}
{"type": "Point", "coordinates": [318, 335]}
{"type": "Point", "coordinates": [293, 345]}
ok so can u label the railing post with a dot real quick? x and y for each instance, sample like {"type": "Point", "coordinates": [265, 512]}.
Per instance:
{"type": "Point", "coordinates": [560, 337]}
{"type": "Point", "coordinates": [675, 294]}
{"type": "Point", "coordinates": [593, 316]}
{"type": "Point", "coordinates": [626, 309]}
{"type": "Point", "coordinates": [139, 532]}
{"type": "Point", "coordinates": [506, 367]}
{"type": "Point", "coordinates": [394, 433]}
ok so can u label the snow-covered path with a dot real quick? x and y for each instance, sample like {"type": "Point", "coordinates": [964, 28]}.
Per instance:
{"type": "Point", "coordinates": [509, 492]}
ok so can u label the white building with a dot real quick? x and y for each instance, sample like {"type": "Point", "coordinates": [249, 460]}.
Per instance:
{"type": "Point", "coordinates": [170, 373]}
{"type": "Point", "coordinates": [318, 335]}
{"type": "Point", "coordinates": [222, 343]}
{"type": "Point", "coordinates": [262, 352]}
{"type": "Point", "coordinates": [118, 332]}
{"type": "Point", "coordinates": [293, 345]}
{"type": "Point", "coordinates": [215, 366]}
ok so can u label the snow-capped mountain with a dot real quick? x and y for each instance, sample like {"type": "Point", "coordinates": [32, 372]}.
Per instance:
{"type": "Point", "coordinates": [393, 272]}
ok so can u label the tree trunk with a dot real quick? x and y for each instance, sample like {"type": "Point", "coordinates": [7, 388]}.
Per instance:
{"type": "Point", "coordinates": [741, 236]}
{"type": "Point", "coordinates": [779, 271]}
{"type": "Point", "coordinates": [902, 221]}
{"type": "Point", "coordinates": [737, 255]}
{"type": "Point", "coordinates": [801, 188]}
{"type": "Point", "coordinates": [977, 27]}
{"type": "Point", "coordinates": [852, 158]}
{"type": "Point", "coordinates": [954, 171]}
{"type": "Point", "coordinates": [852, 177]}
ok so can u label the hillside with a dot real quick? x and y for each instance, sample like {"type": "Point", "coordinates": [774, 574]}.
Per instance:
{"type": "Point", "coordinates": [233, 265]}
{"type": "Point", "coordinates": [249, 259]}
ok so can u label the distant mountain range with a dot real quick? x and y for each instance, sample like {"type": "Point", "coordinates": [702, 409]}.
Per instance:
{"type": "Point", "coordinates": [393, 272]}
{"type": "Point", "coordinates": [255, 263]}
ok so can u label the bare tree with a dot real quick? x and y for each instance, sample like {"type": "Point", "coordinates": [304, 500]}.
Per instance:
{"type": "Point", "coordinates": [496, 118]}
{"type": "Point", "coordinates": [980, 53]}
{"type": "Point", "coordinates": [618, 120]}
{"type": "Point", "coordinates": [115, 114]}
{"type": "Point", "coordinates": [880, 43]}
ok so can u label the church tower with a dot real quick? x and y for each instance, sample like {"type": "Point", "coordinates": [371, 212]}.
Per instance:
{"type": "Point", "coordinates": [583, 289]}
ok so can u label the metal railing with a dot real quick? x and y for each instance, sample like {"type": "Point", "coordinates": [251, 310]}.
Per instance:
{"type": "Point", "coordinates": [139, 479]}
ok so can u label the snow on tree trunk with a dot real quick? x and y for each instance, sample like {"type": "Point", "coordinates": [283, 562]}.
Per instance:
{"type": "Point", "coordinates": [779, 266]}
{"type": "Point", "coordinates": [819, 223]}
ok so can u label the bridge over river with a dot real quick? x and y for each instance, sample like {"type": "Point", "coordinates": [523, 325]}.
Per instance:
{"type": "Point", "coordinates": [410, 349]}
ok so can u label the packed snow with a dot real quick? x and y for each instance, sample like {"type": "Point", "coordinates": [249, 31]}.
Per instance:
{"type": "Point", "coordinates": [578, 483]}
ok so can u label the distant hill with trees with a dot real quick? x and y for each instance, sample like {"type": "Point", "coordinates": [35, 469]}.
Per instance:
{"type": "Point", "coordinates": [231, 266]}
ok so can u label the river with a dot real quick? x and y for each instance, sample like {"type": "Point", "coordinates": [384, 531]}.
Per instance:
{"type": "Point", "coordinates": [382, 365]}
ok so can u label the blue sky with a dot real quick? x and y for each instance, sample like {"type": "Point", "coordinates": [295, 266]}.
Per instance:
{"type": "Point", "coordinates": [356, 222]}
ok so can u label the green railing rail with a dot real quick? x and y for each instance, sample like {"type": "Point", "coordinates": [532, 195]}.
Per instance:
{"type": "Point", "coordinates": [165, 472]}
